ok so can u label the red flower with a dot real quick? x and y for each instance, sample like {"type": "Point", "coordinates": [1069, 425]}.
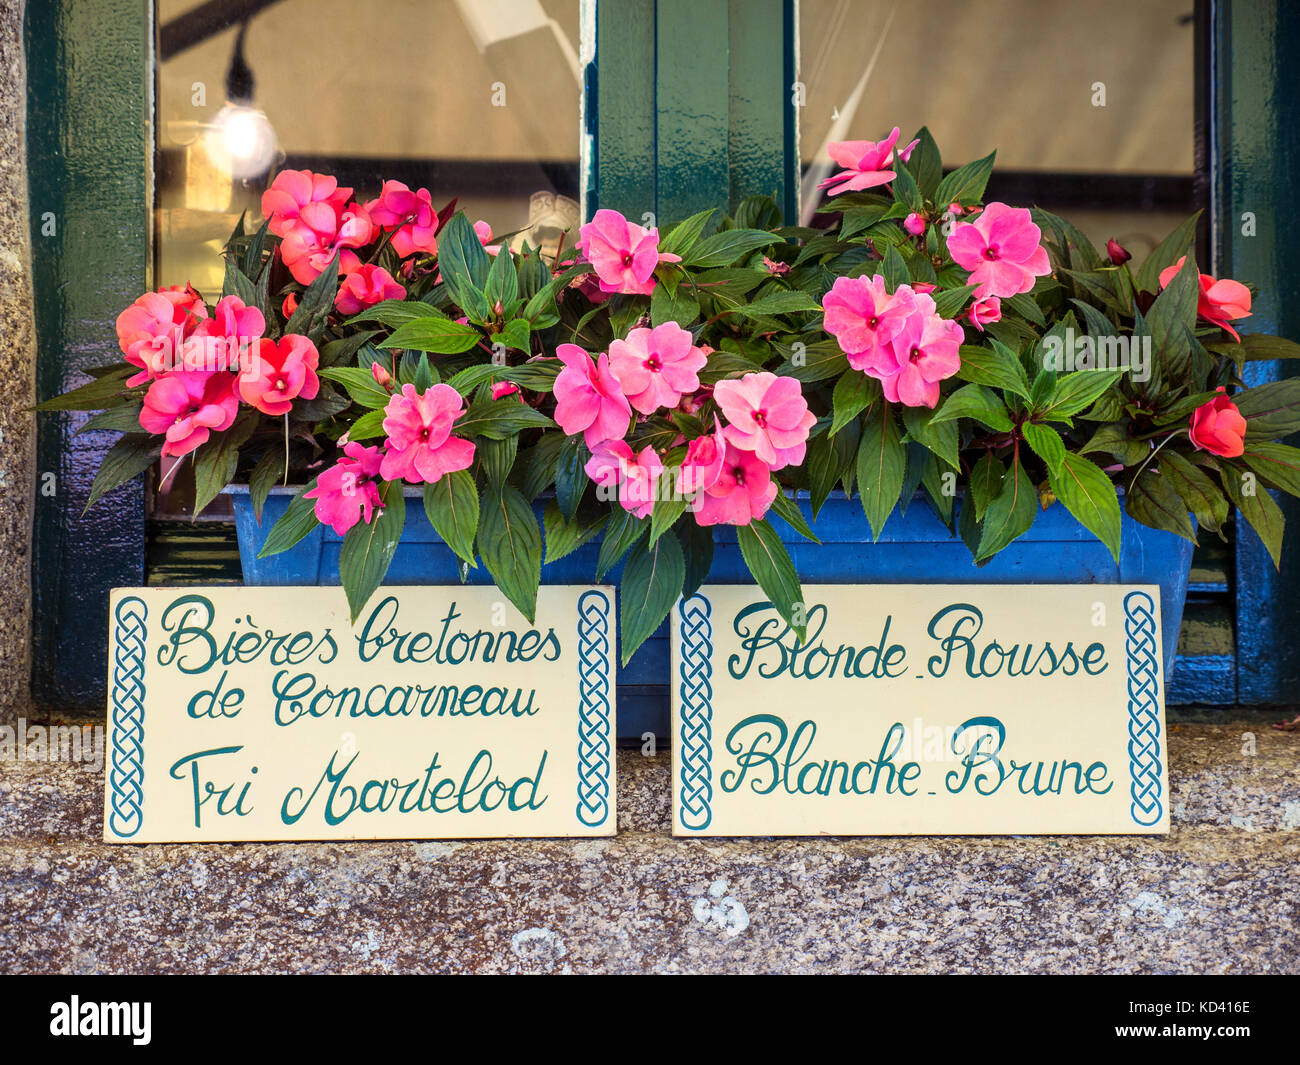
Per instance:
{"type": "Point", "coordinates": [1218, 427]}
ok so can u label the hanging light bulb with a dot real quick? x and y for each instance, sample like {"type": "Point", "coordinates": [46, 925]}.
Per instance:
{"type": "Point", "coordinates": [241, 132]}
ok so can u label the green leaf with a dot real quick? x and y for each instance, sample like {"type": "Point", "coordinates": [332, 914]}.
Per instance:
{"type": "Point", "coordinates": [1074, 392]}
{"type": "Point", "coordinates": [126, 459]}
{"type": "Point", "coordinates": [985, 483]}
{"type": "Point", "coordinates": [894, 270]}
{"type": "Point", "coordinates": [680, 306]}
{"type": "Point", "coordinates": [570, 477]}
{"type": "Point", "coordinates": [652, 580]}
{"type": "Point", "coordinates": [441, 336]}
{"type": "Point", "coordinates": [940, 438]}
{"type": "Point", "coordinates": [1090, 496]}
{"type": "Point", "coordinates": [823, 471]}
{"type": "Point", "coordinates": [124, 418]}
{"type": "Point", "coordinates": [1114, 440]}
{"type": "Point", "coordinates": [394, 313]}
{"type": "Point", "coordinates": [316, 304]}
{"type": "Point", "coordinates": [1167, 252]}
{"type": "Point", "coordinates": [360, 385]}
{"type": "Point", "coordinates": [1027, 307]}
{"type": "Point", "coordinates": [682, 237]}
{"type": "Point", "coordinates": [563, 537]}
{"type": "Point", "coordinates": [925, 163]}
{"type": "Point", "coordinates": [516, 335]}
{"type": "Point", "coordinates": [998, 368]}
{"type": "Point", "coordinates": [465, 265]}
{"type": "Point", "coordinates": [949, 302]}
{"type": "Point", "coordinates": [1172, 320]}
{"type": "Point", "coordinates": [1257, 346]}
{"type": "Point", "coordinates": [769, 563]}
{"type": "Point", "coordinates": [1271, 410]}
{"type": "Point", "coordinates": [502, 281]}
{"type": "Point", "coordinates": [295, 523]}
{"type": "Point", "coordinates": [451, 502]}
{"type": "Point", "coordinates": [788, 511]}
{"type": "Point", "coordinates": [697, 546]}
{"type": "Point", "coordinates": [236, 284]}
{"type": "Point", "coordinates": [510, 544]}
{"type": "Point", "coordinates": [621, 532]}
{"type": "Point", "coordinates": [96, 395]}
{"type": "Point", "coordinates": [266, 474]}
{"type": "Point", "coordinates": [216, 461]}
{"type": "Point", "coordinates": [1046, 443]}
{"type": "Point", "coordinates": [1260, 510]}
{"type": "Point", "coordinates": [497, 420]}
{"type": "Point", "coordinates": [368, 549]}
{"type": "Point", "coordinates": [1199, 494]}
{"type": "Point", "coordinates": [664, 515]}
{"type": "Point", "coordinates": [853, 392]}
{"type": "Point", "coordinates": [1152, 500]}
{"type": "Point", "coordinates": [966, 184]}
{"type": "Point", "coordinates": [782, 301]}
{"type": "Point", "coordinates": [725, 248]}
{"type": "Point", "coordinates": [974, 401]}
{"type": "Point", "coordinates": [1278, 464]}
{"type": "Point", "coordinates": [1010, 514]}
{"type": "Point", "coordinates": [882, 465]}
{"type": "Point", "coordinates": [368, 426]}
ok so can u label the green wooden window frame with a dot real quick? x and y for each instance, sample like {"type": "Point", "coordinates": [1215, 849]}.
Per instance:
{"type": "Point", "coordinates": [688, 105]}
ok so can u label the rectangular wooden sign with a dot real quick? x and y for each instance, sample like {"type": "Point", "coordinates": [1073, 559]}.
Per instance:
{"type": "Point", "coordinates": [264, 714]}
{"type": "Point", "coordinates": [920, 709]}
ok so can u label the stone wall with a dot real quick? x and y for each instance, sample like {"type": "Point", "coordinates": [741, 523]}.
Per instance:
{"type": "Point", "coordinates": [17, 376]}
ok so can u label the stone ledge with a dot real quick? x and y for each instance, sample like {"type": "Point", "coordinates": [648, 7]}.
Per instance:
{"type": "Point", "coordinates": [1218, 895]}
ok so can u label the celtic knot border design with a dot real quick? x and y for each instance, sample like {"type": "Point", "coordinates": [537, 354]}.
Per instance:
{"type": "Point", "coordinates": [595, 733]}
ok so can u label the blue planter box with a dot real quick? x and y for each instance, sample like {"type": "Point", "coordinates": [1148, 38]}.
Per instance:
{"type": "Point", "coordinates": [915, 548]}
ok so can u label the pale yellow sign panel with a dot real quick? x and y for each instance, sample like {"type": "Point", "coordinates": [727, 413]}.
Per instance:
{"type": "Point", "coordinates": [920, 709]}
{"type": "Point", "coordinates": [264, 714]}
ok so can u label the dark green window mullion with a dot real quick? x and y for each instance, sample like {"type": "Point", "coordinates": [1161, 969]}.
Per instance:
{"type": "Point", "coordinates": [89, 156]}
{"type": "Point", "coordinates": [1256, 90]}
{"type": "Point", "coordinates": [691, 106]}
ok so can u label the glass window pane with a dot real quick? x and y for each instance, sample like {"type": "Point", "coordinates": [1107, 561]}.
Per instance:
{"type": "Point", "coordinates": [1090, 105]}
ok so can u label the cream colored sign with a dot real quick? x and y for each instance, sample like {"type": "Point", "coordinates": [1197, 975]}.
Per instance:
{"type": "Point", "coordinates": [920, 709]}
{"type": "Point", "coordinates": [263, 714]}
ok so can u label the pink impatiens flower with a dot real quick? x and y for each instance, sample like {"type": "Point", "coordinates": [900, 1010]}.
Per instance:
{"type": "Point", "coordinates": [702, 466]}
{"type": "Point", "coordinates": [152, 331]}
{"type": "Point", "coordinates": [187, 407]}
{"type": "Point", "coordinates": [420, 445]}
{"type": "Point", "coordinates": [866, 163]}
{"type": "Point", "coordinates": [1001, 249]}
{"type": "Point", "coordinates": [315, 221]}
{"type": "Point", "coordinates": [925, 353]}
{"type": "Point", "coordinates": [1218, 302]}
{"type": "Point", "coordinates": [623, 253]}
{"type": "Point", "coordinates": [656, 367]}
{"type": "Point", "coordinates": [411, 212]}
{"type": "Point", "coordinates": [280, 372]}
{"type": "Point", "coordinates": [613, 464]}
{"type": "Point", "coordinates": [346, 493]}
{"type": "Point", "coordinates": [501, 389]}
{"type": "Point", "coordinates": [983, 311]}
{"type": "Point", "coordinates": [742, 493]}
{"type": "Point", "coordinates": [589, 399]}
{"type": "Point", "coordinates": [768, 416]}
{"type": "Point", "coordinates": [863, 317]}
{"type": "Point", "coordinates": [1218, 427]}
{"type": "Point", "coordinates": [366, 286]}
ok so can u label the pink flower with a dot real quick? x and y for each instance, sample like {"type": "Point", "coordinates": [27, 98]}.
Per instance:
{"type": "Point", "coordinates": [314, 221]}
{"type": "Point", "coordinates": [624, 254]}
{"type": "Point", "coordinates": [1218, 427]}
{"type": "Point", "coordinates": [655, 367]}
{"type": "Point", "coordinates": [742, 493]}
{"type": "Point", "coordinates": [1218, 302]}
{"type": "Point", "coordinates": [1001, 249]}
{"type": "Point", "coordinates": [702, 466]}
{"type": "Point", "coordinates": [768, 416]}
{"type": "Point", "coordinates": [420, 445]}
{"type": "Point", "coordinates": [589, 399]}
{"type": "Point", "coordinates": [346, 493]}
{"type": "Point", "coordinates": [484, 232]}
{"type": "Point", "coordinates": [279, 373]}
{"type": "Point", "coordinates": [288, 305]}
{"type": "Point", "coordinates": [774, 267]}
{"type": "Point", "coordinates": [412, 213]}
{"type": "Point", "coordinates": [925, 353]}
{"type": "Point", "coordinates": [614, 464]}
{"type": "Point", "coordinates": [224, 341]}
{"type": "Point", "coordinates": [188, 406]}
{"type": "Point", "coordinates": [863, 318]}
{"type": "Point", "coordinates": [866, 163]}
{"type": "Point", "coordinates": [1118, 254]}
{"type": "Point", "coordinates": [914, 224]}
{"type": "Point", "coordinates": [504, 388]}
{"type": "Point", "coordinates": [366, 286]}
{"type": "Point", "coordinates": [382, 377]}
{"type": "Point", "coordinates": [152, 331]}
{"type": "Point", "coordinates": [983, 311]}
